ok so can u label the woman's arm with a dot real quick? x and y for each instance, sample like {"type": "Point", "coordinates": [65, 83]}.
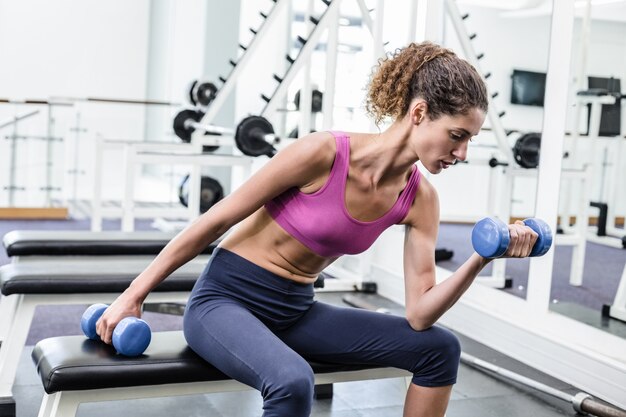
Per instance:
{"type": "Point", "coordinates": [295, 166]}
{"type": "Point", "coordinates": [427, 301]}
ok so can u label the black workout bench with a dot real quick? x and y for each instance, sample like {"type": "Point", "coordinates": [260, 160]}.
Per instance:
{"type": "Point", "coordinates": [23, 291]}
{"type": "Point", "coordinates": [77, 370]}
{"type": "Point", "coordinates": [64, 245]}
{"type": "Point", "coordinates": [74, 268]}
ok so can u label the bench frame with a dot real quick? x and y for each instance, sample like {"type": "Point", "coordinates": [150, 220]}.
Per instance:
{"type": "Point", "coordinates": [20, 309]}
{"type": "Point", "coordinates": [65, 403]}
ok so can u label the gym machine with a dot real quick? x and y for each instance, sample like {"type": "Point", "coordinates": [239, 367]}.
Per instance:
{"type": "Point", "coordinates": [605, 233]}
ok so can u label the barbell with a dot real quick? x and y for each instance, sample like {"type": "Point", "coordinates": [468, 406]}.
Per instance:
{"type": "Point", "coordinates": [252, 135]}
{"type": "Point", "coordinates": [525, 152]}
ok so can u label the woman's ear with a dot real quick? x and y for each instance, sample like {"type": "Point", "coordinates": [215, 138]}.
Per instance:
{"type": "Point", "coordinates": [418, 111]}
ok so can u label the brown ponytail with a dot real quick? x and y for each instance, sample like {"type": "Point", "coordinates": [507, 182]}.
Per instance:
{"type": "Point", "coordinates": [449, 84]}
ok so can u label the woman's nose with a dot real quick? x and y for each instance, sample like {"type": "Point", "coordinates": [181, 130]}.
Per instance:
{"type": "Point", "coordinates": [460, 152]}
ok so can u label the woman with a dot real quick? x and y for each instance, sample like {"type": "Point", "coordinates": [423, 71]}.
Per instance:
{"type": "Point", "coordinates": [252, 314]}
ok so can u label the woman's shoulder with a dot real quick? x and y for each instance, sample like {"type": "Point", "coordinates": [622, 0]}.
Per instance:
{"type": "Point", "coordinates": [425, 207]}
{"type": "Point", "coordinates": [319, 146]}
{"type": "Point", "coordinates": [427, 191]}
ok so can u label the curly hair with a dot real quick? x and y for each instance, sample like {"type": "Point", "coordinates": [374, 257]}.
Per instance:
{"type": "Point", "coordinates": [450, 85]}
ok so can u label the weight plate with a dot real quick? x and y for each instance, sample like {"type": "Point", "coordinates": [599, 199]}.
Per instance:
{"type": "Point", "coordinates": [182, 131]}
{"type": "Point", "coordinates": [249, 136]}
{"type": "Point", "coordinates": [526, 150]}
{"type": "Point", "coordinates": [211, 191]}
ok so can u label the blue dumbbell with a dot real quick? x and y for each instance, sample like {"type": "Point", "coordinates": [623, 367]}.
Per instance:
{"type": "Point", "coordinates": [490, 237]}
{"type": "Point", "coordinates": [131, 336]}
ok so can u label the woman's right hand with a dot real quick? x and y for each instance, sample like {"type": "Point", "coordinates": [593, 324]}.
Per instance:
{"type": "Point", "coordinates": [124, 306]}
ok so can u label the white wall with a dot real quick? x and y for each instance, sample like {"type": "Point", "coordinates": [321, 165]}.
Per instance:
{"type": "Point", "coordinates": [129, 50]}
{"type": "Point", "coordinates": [70, 48]}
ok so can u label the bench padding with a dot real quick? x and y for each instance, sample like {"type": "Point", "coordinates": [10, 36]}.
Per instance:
{"type": "Point", "coordinates": [81, 278]}
{"type": "Point", "coordinates": [73, 363]}
{"type": "Point", "coordinates": [85, 243]}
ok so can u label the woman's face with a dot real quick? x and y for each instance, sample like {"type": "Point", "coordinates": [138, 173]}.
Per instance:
{"type": "Point", "coordinates": [442, 142]}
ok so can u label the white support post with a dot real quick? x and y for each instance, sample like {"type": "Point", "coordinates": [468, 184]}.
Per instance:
{"type": "Point", "coordinates": [412, 22]}
{"type": "Point", "coordinates": [377, 33]}
{"type": "Point", "coordinates": [594, 129]}
{"type": "Point", "coordinates": [195, 181]}
{"type": "Point", "coordinates": [499, 204]}
{"type": "Point", "coordinates": [580, 230]}
{"type": "Point", "coordinates": [574, 137]}
{"type": "Point", "coordinates": [377, 43]}
{"type": "Point", "coordinates": [96, 197]}
{"type": "Point", "coordinates": [430, 21]}
{"type": "Point", "coordinates": [551, 157]}
{"type": "Point", "coordinates": [328, 100]}
{"type": "Point", "coordinates": [618, 309]}
{"type": "Point", "coordinates": [365, 15]}
{"type": "Point", "coordinates": [614, 185]}
{"type": "Point", "coordinates": [304, 126]}
{"type": "Point", "coordinates": [128, 202]}
{"type": "Point", "coordinates": [8, 307]}
{"type": "Point", "coordinates": [282, 116]}
{"type": "Point", "coordinates": [59, 404]}
{"type": "Point", "coordinates": [503, 212]}
{"type": "Point", "coordinates": [13, 345]}
{"type": "Point", "coordinates": [49, 156]}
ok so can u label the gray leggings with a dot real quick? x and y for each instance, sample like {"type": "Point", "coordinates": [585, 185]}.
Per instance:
{"type": "Point", "coordinates": [259, 328]}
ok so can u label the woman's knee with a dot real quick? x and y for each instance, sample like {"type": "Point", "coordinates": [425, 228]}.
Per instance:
{"type": "Point", "coordinates": [438, 360]}
{"type": "Point", "coordinates": [290, 390]}
{"type": "Point", "coordinates": [448, 343]}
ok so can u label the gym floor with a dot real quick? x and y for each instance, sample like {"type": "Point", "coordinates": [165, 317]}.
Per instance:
{"type": "Point", "coordinates": [475, 394]}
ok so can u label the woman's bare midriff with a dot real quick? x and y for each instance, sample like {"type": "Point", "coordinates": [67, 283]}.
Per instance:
{"type": "Point", "coordinates": [262, 241]}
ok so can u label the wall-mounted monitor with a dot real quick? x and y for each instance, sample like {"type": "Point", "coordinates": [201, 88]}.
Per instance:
{"type": "Point", "coordinates": [528, 87]}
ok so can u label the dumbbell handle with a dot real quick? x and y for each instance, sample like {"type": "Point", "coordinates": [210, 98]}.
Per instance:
{"type": "Point", "coordinates": [225, 131]}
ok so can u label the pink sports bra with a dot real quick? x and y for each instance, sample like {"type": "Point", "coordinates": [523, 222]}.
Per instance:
{"type": "Point", "coordinates": [321, 221]}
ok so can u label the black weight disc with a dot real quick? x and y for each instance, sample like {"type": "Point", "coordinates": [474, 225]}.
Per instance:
{"type": "Point", "coordinates": [182, 131]}
{"type": "Point", "coordinates": [249, 136]}
{"type": "Point", "coordinates": [316, 100]}
{"type": "Point", "coordinates": [204, 93]}
{"type": "Point", "coordinates": [190, 93]}
{"type": "Point", "coordinates": [211, 191]}
{"type": "Point", "coordinates": [526, 150]}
